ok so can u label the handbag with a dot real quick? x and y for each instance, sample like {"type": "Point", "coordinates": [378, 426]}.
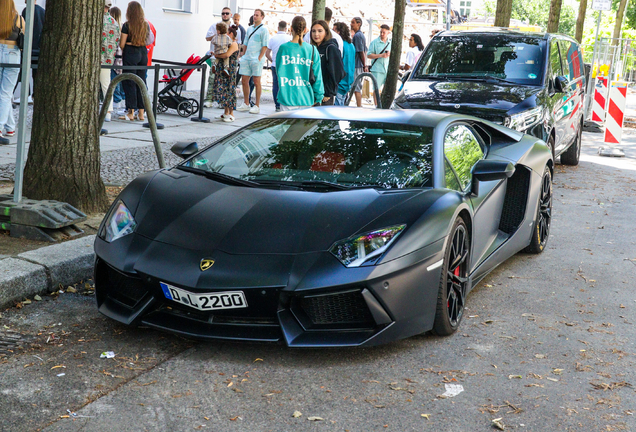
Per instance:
{"type": "Point", "coordinates": [312, 76]}
{"type": "Point", "coordinates": [150, 38]}
{"type": "Point", "coordinates": [20, 40]}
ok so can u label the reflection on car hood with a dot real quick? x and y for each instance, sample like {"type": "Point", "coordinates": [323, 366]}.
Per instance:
{"type": "Point", "coordinates": [474, 97]}
{"type": "Point", "coordinates": [197, 213]}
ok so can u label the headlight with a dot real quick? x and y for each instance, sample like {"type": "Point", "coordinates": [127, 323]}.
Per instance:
{"type": "Point", "coordinates": [118, 223]}
{"type": "Point", "coordinates": [365, 248]}
{"type": "Point", "coordinates": [524, 120]}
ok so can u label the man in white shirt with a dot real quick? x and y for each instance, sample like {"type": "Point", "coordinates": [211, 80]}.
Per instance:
{"type": "Point", "coordinates": [226, 18]}
{"type": "Point", "coordinates": [272, 49]}
{"type": "Point", "coordinates": [252, 60]}
{"type": "Point", "coordinates": [334, 35]}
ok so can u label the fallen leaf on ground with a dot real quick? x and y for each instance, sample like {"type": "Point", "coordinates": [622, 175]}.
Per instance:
{"type": "Point", "coordinates": [297, 414]}
{"type": "Point", "coordinates": [37, 298]}
{"type": "Point", "coordinates": [314, 418]}
{"type": "Point", "coordinates": [426, 416]}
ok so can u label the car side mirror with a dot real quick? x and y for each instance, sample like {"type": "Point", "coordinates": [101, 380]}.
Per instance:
{"type": "Point", "coordinates": [560, 84]}
{"type": "Point", "coordinates": [406, 76]}
{"type": "Point", "coordinates": [185, 149]}
{"type": "Point", "coordinates": [486, 170]}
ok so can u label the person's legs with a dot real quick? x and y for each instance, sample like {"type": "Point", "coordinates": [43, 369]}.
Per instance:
{"type": "Point", "coordinates": [8, 79]}
{"type": "Point", "coordinates": [251, 89]}
{"type": "Point", "coordinates": [245, 81]}
{"type": "Point", "coordinates": [259, 89]}
{"type": "Point", "coordinates": [104, 82]}
{"type": "Point", "coordinates": [275, 87]}
{"type": "Point", "coordinates": [358, 86]}
{"type": "Point", "coordinates": [130, 57]}
{"type": "Point", "coordinates": [118, 95]}
{"type": "Point", "coordinates": [339, 99]}
{"type": "Point", "coordinates": [143, 74]}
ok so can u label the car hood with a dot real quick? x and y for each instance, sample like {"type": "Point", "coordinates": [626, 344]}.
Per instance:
{"type": "Point", "coordinates": [196, 213]}
{"type": "Point", "coordinates": [473, 97]}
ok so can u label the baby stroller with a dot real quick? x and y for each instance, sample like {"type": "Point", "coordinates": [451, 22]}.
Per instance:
{"type": "Point", "coordinates": [170, 95]}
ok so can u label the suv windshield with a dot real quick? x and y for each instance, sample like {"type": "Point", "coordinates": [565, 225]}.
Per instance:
{"type": "Point", "coordinates": [308, 153]}
{"type": "Point", "coordinates": [514, 59]}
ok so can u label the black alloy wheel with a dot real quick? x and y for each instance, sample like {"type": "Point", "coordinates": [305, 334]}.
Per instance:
{"type": "Point", "coordinates": [572, 154]}
{"type": "Point", "coordinates": [541, 231]}
{"type": "Point", "coordinates": [454, 281]}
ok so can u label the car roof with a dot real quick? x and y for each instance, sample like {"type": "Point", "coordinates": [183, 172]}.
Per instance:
{"type": "Point", "coordinates": [494, 31]}
{"type": "Point", "coordinates": [413, 117]}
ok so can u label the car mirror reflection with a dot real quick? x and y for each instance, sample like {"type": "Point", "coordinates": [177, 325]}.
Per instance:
{"type": "Point", "coordinates": [185, 149]}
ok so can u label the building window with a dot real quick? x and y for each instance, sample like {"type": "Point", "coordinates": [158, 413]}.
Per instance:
{"type": "Point", "coordinates": [178, 5]}
{"type": "Point", "coordinates": [462, 3]}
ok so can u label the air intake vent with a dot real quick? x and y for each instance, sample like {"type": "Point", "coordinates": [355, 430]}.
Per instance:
{"type": "Point", "coordinates": [346, 308]}
{"type": "Point", "coordinates": [514, 207]}
{"type": "Point", "coordinates": [125, 289]}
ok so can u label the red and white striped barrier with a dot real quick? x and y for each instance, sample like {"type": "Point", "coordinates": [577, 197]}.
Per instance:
{"type": "Point", "coordinates": [615, 112]}
{"type": "Point", "coordinates": [600, 99]}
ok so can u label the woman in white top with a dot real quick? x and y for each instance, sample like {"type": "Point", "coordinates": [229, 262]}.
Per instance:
{"type": "Point", "coordinates": [415, 51]}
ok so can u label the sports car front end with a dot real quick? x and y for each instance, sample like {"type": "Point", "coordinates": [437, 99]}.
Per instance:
{"type": "Point", "coordinates": [310, 232]}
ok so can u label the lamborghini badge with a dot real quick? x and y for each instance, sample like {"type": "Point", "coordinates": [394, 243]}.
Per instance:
{"type": "Point", "coordinates": [206, 264]}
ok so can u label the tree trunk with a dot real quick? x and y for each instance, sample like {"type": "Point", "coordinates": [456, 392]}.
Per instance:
{"type": "Point", "coordinates": [502, 13]}
{"type": "Point", "coordinates": [317, 12]}
{"type": "Point", "coordinates": [580, 21]}
{"type": "Point", "coordinates": [390, 86]}
{"type": "Point", "coordinates": [555, 14]}
{"type": "Point", "coordinates": [619, 22]}
{"type": "Point", "coordinates": [64, 156]}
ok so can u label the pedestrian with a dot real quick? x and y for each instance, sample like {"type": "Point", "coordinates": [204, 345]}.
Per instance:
{"type": "Point", "coordinates": [415, 51]}
{"type": "Point", "coordinates": [110, 41]}
{"type": "Point", "coordinates": [11, 23]}
{"type": "Point", "coordinates": [252, 60]}
{"type": "Point", "coordinates": [38, 24]}
{"type": "Point", "coordinates": [379, 52]}
{"type": "Point", "coordinates": [360, 45]}
{"type": "Point", "coordinates": [135, 37]}
{"type": "Point", "coordinates": [330, 60]}
{"type": "Point", "coordinates": [237, 22]}
{"type": "Point", "coordinates": [328, 15]}
{"type": "Point", "coordinates": [272, 50]}
{"type": "Point", "coordinates": [221, 41]}
{"type": "Point", "coordinates": [225, 83]}
{"type": "Point", "coordinates": [151, 47]}
{"type": "Point", "coordinates": [226, 18]}
{"type": "Point", "coordinates": [298, 70]}
{"type": "Point", "coordinates": [118, 95]}
{"type": "Point", "coordinates": [348, 61]}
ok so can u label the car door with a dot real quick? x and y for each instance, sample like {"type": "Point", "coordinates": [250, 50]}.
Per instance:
{"type": "Point", "coordinates": [570, 56]}
{"type": "Point", "coordinates": [557, 100]}
{"type": "Point", "coordinates": [463, 149]}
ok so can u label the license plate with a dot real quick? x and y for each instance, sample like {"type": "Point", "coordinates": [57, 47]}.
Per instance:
{"type": "Point", "coordinates": [205, 301]}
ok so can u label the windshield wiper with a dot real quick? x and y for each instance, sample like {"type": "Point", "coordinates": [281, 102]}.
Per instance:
{"type": "Point", "coordinates": [224, 178]}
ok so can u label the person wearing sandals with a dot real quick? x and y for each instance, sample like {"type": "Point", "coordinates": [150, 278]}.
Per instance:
{"type": "Point", "coordinates": [298, 71]}
{"type": "Point", "coordinates": [110, 43]}
{"type": "Point", "coordinates": [11, 25]}
{"type": "Point", "coordinates": [135, 36]}
{"type": "Point", "coordinates": [225, 83]}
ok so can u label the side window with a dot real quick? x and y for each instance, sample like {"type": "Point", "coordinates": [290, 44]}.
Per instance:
{"type": "Point", "coordinates": [571, 53]}
{"type": "Point", "coordinates": [563, 48]}
{"type": "Point", "coordinates": [555, 58]}
{"type": "Point", "coordinates": [462, 151]}
{"type": "Point", "coordinates": [451, 178]}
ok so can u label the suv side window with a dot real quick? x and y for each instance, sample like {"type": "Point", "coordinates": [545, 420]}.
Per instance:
{"type": "Point", "coordinates": [570, 53]}
{"type": "Point", "coordinates": [462, 151]}
{"type": "Point", "coordinates": [555, 59]}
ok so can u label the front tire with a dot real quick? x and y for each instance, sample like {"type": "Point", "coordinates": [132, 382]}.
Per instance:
{"type": "Point", "coordinates": [541, 230]}
{"type": "Point", "coordinates": [453, 288]}
{"type": "Point", "coordinates": [571, 155]}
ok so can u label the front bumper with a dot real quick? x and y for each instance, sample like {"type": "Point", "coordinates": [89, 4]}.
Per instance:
{"type": "Point", "coordinates": [319, 303]}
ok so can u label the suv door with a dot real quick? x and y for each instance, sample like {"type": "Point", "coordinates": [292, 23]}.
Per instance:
{"type": "Point", "coordinates": [572, 62]}
{"type": "Point", "coordinates": [463, 149]}
{"type": "Point", "coordinates": [557, 100]}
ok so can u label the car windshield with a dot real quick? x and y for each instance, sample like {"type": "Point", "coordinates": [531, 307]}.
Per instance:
{"type": "Point", "coordinates": [517, 60]}
{"type": "Point", "coordinates": [307, 152]}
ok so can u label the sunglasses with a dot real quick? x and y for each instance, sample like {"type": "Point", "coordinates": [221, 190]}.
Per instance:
{"type": "Point", "coordinates": [225, 13]}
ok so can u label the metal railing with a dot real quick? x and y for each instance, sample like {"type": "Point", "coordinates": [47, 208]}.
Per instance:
{"type": "Point", "coordinates": [359, 79]}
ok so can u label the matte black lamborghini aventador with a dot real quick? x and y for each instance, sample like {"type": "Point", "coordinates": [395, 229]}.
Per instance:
{"type": "Point", "coordinates": [324, 227]}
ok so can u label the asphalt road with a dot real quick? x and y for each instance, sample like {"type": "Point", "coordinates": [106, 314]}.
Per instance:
{"type": "Point", "coordinates": [547, 344]}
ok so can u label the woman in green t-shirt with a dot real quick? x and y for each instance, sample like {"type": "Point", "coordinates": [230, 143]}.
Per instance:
{"type": "Point", "coordinates": [294, 63]}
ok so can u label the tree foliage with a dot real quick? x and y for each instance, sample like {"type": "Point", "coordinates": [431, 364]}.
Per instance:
{"type": "Point", "coordinates": [536, 12]}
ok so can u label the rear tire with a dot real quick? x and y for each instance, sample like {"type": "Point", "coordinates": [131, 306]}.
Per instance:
{"type": "Point", "coordinates": [453, 286]}
{"type": "Point", "coordinates": [543, 219]}
{"type": "Point", "coordinates": [571, 155]}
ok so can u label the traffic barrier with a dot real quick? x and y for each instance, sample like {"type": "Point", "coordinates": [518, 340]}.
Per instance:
{"type": "Point", "coordinates": [600, 99]}
{"type": "Point", "coordinates": [615, 112]}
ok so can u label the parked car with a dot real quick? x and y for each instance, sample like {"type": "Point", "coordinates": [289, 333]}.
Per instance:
{"type": "Point", "coordinates": [531, 82]}
{"type": "Point", "coordinates": [324, 227]}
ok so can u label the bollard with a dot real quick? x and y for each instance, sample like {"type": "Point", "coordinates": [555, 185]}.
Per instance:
{"type": "Point", "coordinates": [615, 112]}
{"type": "Point", "coordinates": [600, 99]}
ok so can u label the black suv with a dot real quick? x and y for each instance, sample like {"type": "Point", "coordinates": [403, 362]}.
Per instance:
{"type": "Point", "coordinates": [531, 82]}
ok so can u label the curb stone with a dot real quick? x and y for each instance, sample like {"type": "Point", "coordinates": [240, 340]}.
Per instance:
{"type": "Point", "coordinates": [42, 270]}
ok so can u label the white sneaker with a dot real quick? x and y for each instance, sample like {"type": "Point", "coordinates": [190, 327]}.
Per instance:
{"type": "Point", "coordinates": [243, 107]}
{"type": "Point", "coordinates": [107, 118]}
{"type": "Point", "coordinates": [228, 119]}
{"type": "Point", "coordinates": [207, 104]}
{"type": "Point", "coordinates": [220, 116]}
{"type": "Point", "coordinates": [255, 110]}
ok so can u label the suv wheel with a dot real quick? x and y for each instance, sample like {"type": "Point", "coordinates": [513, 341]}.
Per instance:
{"type": "Point", "coordinates": [571, 155]}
